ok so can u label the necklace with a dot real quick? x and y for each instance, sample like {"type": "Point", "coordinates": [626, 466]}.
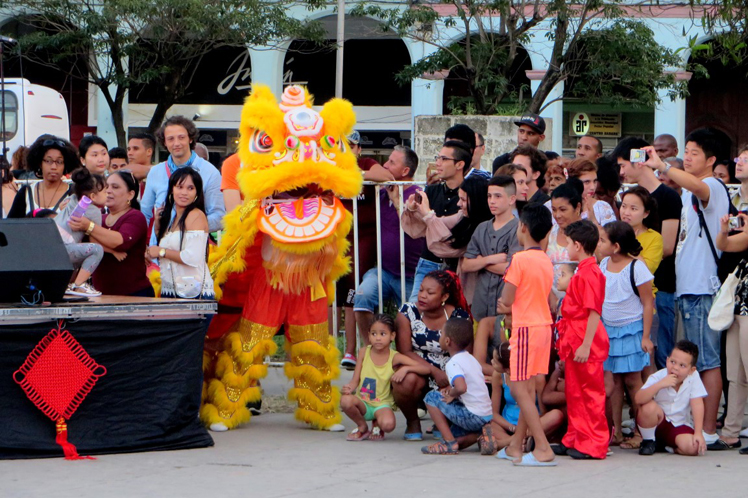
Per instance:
{"type": "Point", "coordinates": [114, 215]}
{"type": "Point", "coordinates": [43, 200]}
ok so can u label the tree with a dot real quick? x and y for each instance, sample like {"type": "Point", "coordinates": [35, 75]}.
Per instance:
{"type": "Point", "coordinates": [589, 39]}
{"type": "Point", "coordinates": [121, 44]}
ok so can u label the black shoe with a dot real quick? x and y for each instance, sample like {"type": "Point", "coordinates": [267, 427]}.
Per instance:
{"type": "Point", "coordinates": [559, 449]}
{"type": "Point", "coordinates": [720, 445]}
{"type": "Point", "coordinates": [647, 447]}
{"type": "Point", "coordinates": [744, 451]}
{"type": "Point", "coordinates": [255, 407]}
{"type": "Point", "coordinates": [578, 455]}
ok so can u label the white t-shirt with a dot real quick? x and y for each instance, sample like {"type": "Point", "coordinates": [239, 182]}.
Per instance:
{"type": "Point", "coordinates": [621, 305]}
{"type": "Point", "coordinates": [677, 404]}
{"type": "Point", "coordinates": [695, 268]}
{"type": "Point", "coordinates": [604, 214]}
{"type": "Point", "coordinates": [476, 398]}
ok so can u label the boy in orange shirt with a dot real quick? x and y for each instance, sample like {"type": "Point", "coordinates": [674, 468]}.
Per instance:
{"type": "Point", "coordinates": [527, 284]}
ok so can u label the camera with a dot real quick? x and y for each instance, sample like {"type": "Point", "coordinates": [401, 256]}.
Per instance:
{"type": "Point", "coordinates": [638, 156]}
{"type": "Point", "coordinates": [735, 223]}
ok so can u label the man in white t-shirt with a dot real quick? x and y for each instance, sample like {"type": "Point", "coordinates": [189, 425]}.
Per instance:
{"type": "Point", "coordinates": [671, 405]}
{"type": "Point", "coordinates": [696, 258]}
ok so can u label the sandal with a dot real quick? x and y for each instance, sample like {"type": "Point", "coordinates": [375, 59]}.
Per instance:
{"type": "Point", "coordinates": [632, 443]}
{"type": "Point", "coordinates": [487, 442]}
{"type": "Point", "coordinates": [442, 448]}
{"type": "Point", "coordinates": [376, 434]}
{"type": "Point", "coordinates": [357, 435]}
{"type": "Point", "coordinates": [722, 445]}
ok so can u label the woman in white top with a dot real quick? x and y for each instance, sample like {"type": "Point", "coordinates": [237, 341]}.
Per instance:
{"type": "Point", "coordinates": [593, 209]}
{"type": "Point", "coordinates": [182, 234]}
{"type": "Point", "coordinates": [50, 158]}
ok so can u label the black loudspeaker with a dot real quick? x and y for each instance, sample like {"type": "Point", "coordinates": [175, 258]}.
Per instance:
{"type": "Point", "coordinates": [32, 259]}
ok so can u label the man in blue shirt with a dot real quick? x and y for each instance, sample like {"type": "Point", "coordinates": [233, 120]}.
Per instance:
{"type": "Point", "coordinates": [179, 135]}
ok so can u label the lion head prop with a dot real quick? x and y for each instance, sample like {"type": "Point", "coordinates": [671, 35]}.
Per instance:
{"type": "Point", "coordinates": [296, 164]}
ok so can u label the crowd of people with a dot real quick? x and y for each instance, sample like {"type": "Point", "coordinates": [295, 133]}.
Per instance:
{"type": "Point", "coordinates": [584, 299]}
{"type": "Point", "coordinates": [541, 300]}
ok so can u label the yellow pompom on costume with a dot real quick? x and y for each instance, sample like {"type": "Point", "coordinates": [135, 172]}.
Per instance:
{"type": "Point", "coordinates": [280, 255]}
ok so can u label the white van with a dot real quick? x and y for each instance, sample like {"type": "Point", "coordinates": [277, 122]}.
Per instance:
{"type": "Point", "coordinates": [32, 110]}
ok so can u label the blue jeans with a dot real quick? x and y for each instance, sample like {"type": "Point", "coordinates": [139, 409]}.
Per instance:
{"type": "Point", "coordinates": [462, 421]}
{"type": "Point", "coordinates": [665, 302]}
{"type": "Point", "coordinates": [423, 268]}
{"type": "Point", "coordinates": [367, 296]}
{"type": "Point", "coordinates": [694, 311]}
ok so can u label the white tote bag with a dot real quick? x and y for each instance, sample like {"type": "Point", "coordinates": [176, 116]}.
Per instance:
{"type": "Point", "coordinates": [722, 313]}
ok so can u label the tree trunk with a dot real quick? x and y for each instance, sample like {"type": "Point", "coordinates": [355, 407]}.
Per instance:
{"type": "Point", "coordinates": [162, 107]}
{"type": "Point", "coordinates": [551, 78]}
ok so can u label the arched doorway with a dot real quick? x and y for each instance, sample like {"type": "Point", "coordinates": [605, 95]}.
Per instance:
{"type": "Point", "coordinates": [457, 94]}
{"type": "Point", "coordinates": [371, 60]}
{"type": "Point", "coordinates": [719, 102]}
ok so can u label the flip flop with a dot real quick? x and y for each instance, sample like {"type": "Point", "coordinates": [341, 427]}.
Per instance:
{"type": "Point", "coordinates": [442, 448]}
{"type": "Point", "coordinates": [528, 460]}
{"type": "Point", "coordinates": [376, 434]}
{"type": "Point", "coordinates": [501, 455]}
{"type": "Point", "coordinates": [353, 435]}
{"type": "Point", "coordinates": [413, 436]}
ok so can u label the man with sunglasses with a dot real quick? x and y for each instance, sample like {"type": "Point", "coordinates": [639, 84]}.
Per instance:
{"type": "Point", "coordinates": [451, 162]}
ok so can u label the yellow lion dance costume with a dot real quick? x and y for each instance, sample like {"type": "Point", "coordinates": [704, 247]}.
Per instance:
{"type": "Point", "coordinates": [280, 255]}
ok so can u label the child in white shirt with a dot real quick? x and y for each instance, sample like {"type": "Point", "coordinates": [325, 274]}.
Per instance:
{"type": "Point", "coordinates": [462, 409]}
{"type": "Point", "coordinates": [671, 405]}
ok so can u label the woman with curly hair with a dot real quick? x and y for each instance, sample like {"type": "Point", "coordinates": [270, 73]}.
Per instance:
{"type": "Point", "coordinates": [419, 328]}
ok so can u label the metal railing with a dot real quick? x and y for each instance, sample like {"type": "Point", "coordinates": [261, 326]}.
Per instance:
{"type": "Point", "coordinates": [378, 186]}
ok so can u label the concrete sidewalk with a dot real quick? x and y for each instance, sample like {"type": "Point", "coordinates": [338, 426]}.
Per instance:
{"type": "Point", "coordinates": [274, 456]}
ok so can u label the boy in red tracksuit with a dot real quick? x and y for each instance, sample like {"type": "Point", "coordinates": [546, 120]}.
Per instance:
{"type": "Point", "coordinates": [583, 345]}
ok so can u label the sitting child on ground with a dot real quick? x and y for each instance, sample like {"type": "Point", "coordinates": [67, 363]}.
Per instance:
{"type": "Point", "coordinates": [554, 394]}
{"type": "Point", "coordinates": [461, 410]}
{"type": "Point", "coordinates": [368, 396]}
{"type": "Point", "coordinates": [489, 335]}
{"type": "Point", "coordinates": [498, 433]}
{"type": "Point", "coordinates": [671, 405]}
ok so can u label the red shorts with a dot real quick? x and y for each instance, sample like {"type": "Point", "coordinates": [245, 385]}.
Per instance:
{"type": "Point", "coordinates": [666, 433]}
{"type": "Point", "coordinates": [530, 352]}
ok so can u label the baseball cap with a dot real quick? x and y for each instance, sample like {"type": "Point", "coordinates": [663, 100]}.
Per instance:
{"type": "Point", "coordinates": [533, 121]}
{"type": "Point", "coordinates": [354, 138]}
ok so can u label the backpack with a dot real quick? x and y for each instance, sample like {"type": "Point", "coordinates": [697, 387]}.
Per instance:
{"type": "Point", "coordinates": [729, 260]}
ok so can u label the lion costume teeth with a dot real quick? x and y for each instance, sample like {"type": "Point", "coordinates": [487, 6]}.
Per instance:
{"type": "Point", "coordinates": [280, 255]}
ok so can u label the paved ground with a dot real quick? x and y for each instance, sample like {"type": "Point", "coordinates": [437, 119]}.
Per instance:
{"type": "Point", "coordinates": [274, 456]}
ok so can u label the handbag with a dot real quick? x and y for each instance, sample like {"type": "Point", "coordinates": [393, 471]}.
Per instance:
{"type": "Point", "coordinates": [187, 286]}
{"type": "Point", "coordinates": [722, 313]}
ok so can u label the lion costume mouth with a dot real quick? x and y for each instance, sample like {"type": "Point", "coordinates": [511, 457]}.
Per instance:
{"type": "Point", "coordinates": [301, 215]}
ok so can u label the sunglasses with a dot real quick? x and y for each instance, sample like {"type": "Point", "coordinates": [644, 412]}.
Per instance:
{"type": "Point", "coordinates": [57, 142]}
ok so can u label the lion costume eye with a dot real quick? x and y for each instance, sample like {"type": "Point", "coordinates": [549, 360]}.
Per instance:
{"type": "Point", "coordinates": [260, 142]}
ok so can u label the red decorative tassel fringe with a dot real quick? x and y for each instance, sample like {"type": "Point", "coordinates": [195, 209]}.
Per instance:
{"type": "Point", "coordinates": [71, 453]}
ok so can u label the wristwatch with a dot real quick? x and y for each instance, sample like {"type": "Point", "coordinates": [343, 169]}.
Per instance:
{"type": "Point", "coordinates": [161, 252]}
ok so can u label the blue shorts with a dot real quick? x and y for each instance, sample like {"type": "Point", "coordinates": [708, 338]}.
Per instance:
{"type": "Point", "coordinates": [367, 296]}
{"type": "Point", "coordinates": [694, 311]}
{"type": "Point", "coordinates": [462, 421]}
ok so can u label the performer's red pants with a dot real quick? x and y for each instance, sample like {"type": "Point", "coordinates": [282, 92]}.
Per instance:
{"type": "Point", "coordinates": [585, 405]}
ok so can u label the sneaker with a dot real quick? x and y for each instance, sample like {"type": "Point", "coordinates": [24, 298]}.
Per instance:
{"type": "Point", "coordinates": [647, 447]}
{"type": "Point", "coordinates": [84, 290]}
{"type": "Point", "coordinates": [348, 361]}
{"type": "Point", "coordinates": [255, 407]}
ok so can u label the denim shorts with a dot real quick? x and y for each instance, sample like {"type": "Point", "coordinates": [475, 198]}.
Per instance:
{"type": "Point", "coordinates": [694, 310]}
{"type": "Point", "coordinates": [462, 421]}
{"type": "Point", "coordinates": [367, 296]}
{"type": "Point", "coordinates": [423, 268]}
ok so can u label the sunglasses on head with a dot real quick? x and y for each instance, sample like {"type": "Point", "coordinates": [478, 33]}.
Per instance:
{"type": "Point", "coordinates": [57, 142]}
